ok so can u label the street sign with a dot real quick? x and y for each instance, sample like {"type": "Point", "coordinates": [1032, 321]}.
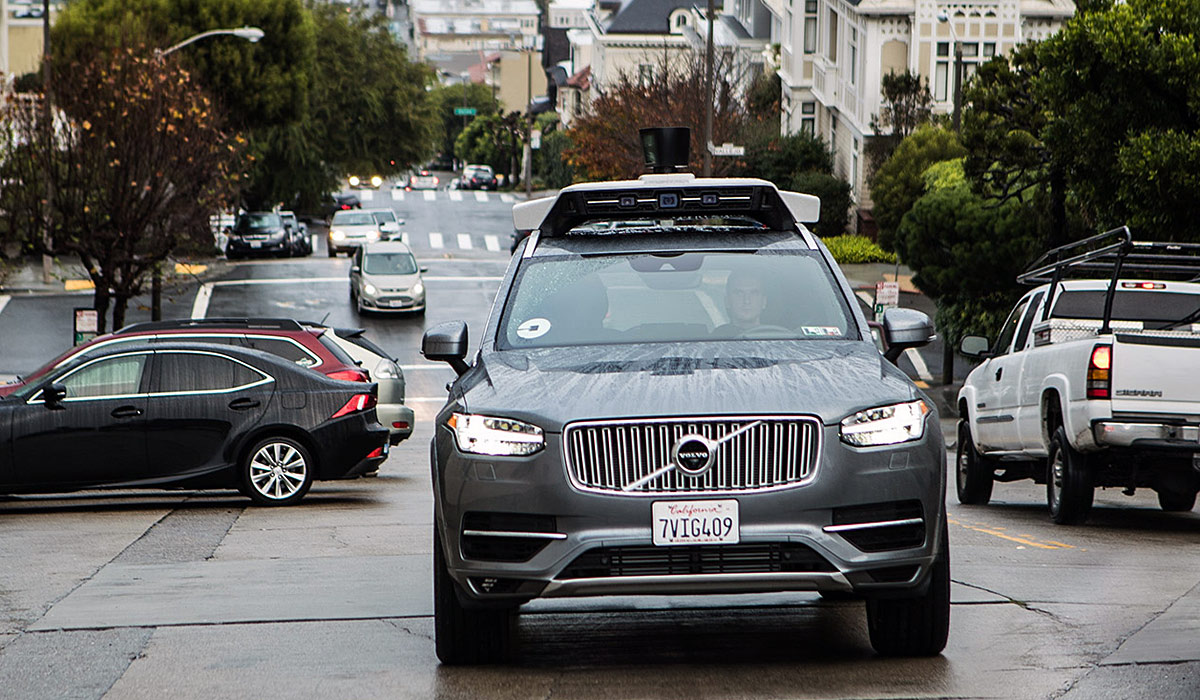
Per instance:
{"type": "Point", "coordinates": [535, 139]}
{"type": "Point", "coordinates": [87, 322]}
{"type": "Point", "coordinates": [464, 111]}
{"type": "Point", "coordinates": [887, 296]}
{"type": "Point", "coordinates": [726, 149]}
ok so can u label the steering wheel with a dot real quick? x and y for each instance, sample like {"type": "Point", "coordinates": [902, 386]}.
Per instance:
{"type": "Point", "coordinates": [765, 330]}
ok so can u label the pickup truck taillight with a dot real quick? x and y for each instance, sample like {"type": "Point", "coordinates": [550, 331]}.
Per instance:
{"type": "Point", "coordinates": [1099, 373]}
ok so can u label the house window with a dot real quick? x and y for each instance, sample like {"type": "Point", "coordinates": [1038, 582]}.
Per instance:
{"type": "Point", "coordinates": [645, 74]}
{"type": "Point", "coordinates": [787, 27]}
{"type": "Point", "coordinates": [832, 47]}
{"type": "Point", "coordinates": [853, 56]}
{"type": "Point", "coordinates": [681, 20]}
{"type": "Point", "coordinates": [854, 168]}
{"type": "Point", "coordinates": [810, 26]}
{"type": "Point", "coordinates": [989, 51]}
{"type": "Point", "coordinates": [808, 118]}
{"type": "Point", "coordinates": [941, 71]}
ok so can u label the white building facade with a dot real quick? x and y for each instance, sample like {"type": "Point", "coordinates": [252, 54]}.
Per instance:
{"type": "Point", "coordinates": [444, 27]}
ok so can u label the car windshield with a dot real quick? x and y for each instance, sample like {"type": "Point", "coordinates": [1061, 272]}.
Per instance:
{"type": "Point", "coordinates": [389, 264]}
{"type": "Point", "coordinates": [353, 218]}
{"type": "Point", "coordinates": [613, 299]}
{"type": "Point", "coordinates": [258, 221]}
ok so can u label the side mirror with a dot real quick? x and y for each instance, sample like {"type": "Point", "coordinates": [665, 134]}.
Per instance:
{"type": "Point", "coordinates": [424, 269]}
{"type": "Point", "coordinates": [355, 268]}
{"type": "Point", "coordinates": [975, 346]}
{"type": "Point", "coordinates": [389, 227]}
{"type": "Point", "coordinates": [447, 342]}
{"type": "Point", "coordinates": [54, 394]}
{"type": "Point", "coordinates": [904, 329]}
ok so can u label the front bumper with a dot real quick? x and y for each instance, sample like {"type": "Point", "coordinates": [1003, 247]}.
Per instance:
{"type": "Point", "coordinates": [391, 414]}
{"type": "Point", "coordinates": [241, 247]}
{"type": "Point", "coordinates": [586, 543]}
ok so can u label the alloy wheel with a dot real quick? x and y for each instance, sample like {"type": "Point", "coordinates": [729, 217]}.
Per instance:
{"type": "Point", "coordinates": [278, 470]}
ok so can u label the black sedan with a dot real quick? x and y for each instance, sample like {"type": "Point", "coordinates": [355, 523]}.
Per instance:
{"type": "Point", "coordinates": [187, 415]}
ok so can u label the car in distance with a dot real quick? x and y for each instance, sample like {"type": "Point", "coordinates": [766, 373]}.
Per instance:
{"type": "Point", "coordinates": [259, 232]}
{"type": "Point", "coordinates": [187, 415]}
{"type": "Point", "coordinates": [375, 181]}
{"type": "Point", "coordinates": [385, 277]}
{"type": "Point", "coordinates": [422, 180]}
{"type": "Point", "coordinates": [350, 229]}
{"type": "Point", "coordinates": [300, 243]}
{"type": "Point", "coordinates": [650, 411]}
{"type": "Point", "coordinates": [477, 177]}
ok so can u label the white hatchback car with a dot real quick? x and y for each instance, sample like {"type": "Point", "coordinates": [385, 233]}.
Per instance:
{"type": "Point", "coordinates": [384, 276]}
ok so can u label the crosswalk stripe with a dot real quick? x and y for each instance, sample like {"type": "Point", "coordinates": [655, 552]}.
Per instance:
{"type": "Point", "coordinates": [455, 196]}
{"type": "Point", "coordinates": [464, 241]}
{"type": "Point", "coordinates": [507, 198]}
{"type": "Point", "coordinates": [492, 243]}
{"type": "Point", "coordinates": [397, 195]}
{"type": "Point", "coordinates": [435, 240]}
{"type": "Point", "coordinates": [430, 195]}
{"type": "Point", "coordinates": [366, 195]}
{"type": "Point", "coordinates": [481, 196]}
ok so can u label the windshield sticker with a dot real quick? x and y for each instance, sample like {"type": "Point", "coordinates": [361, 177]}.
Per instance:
{"type": "Point", "coordinates": [533, 328]}
{"type": "Point", "coordinates": [821, 330]}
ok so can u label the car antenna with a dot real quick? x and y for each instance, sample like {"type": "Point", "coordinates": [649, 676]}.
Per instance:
{"type": "Point", "coordinates": [323, 318]}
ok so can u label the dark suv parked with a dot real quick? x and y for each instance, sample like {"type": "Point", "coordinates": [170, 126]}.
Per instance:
{"type": "Point", "coordinates": [258, 233]}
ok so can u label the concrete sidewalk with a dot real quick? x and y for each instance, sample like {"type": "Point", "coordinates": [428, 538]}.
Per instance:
{"type": "Point", "coordinates": [25, 276]}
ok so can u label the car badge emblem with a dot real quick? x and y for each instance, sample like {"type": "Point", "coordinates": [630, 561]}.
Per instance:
{"type": "Point", "coordinates": [693, 454]}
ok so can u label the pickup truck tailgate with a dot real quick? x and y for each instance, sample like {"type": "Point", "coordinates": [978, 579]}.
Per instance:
{"type": "Point", "coordinates": [1156, 374]}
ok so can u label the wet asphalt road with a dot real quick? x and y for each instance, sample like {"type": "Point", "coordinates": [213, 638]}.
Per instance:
{"type": "Point", "coordinates": [196, 595]}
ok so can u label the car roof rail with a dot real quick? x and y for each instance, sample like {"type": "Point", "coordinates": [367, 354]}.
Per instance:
{"type": "Point", "coordinates": [272, 324]}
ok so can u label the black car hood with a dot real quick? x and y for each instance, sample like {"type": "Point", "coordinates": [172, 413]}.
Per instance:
{"type": "Point", "coordinates": [553, 386]}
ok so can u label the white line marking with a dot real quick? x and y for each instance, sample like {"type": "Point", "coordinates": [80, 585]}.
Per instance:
{"type": "Point", "coordinates": [455, 196]}
{"type": "Point", "coordinates": [492, 243]}
{"type": "Point", "coordinates": [481, 196]}
{"type": "Point", "coordinates": [431, 365]}
{"type": "Point", "coordinates": [367, 195]}
{"type": "Point", "coordinates": [435, 240]}
{"type": "Point", "coordinates": [430, 195]}
{"type": "Point", "coordinates": [404, 238]}
{"type": "Point", "coordinates": [278, 280]}
{"type": "Point", "coordinates": [464, 241]}
{"type": "Point", "coordinates": [507, 198]}
{"type": "Point", "coordinates": [461, 279]}
{"type": "Point", "coordinates": [919, 364]}
{"type": "Point", "coordinates": [866, 296]}
{"type": "Point", "coordinates": [203, 296]}
{"type": "Point", "coordinates": [3, 302]}
{"type": "Point", "coordinates": [397, 195]}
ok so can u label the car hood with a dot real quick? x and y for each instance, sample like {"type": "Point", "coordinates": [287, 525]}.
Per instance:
{"type": "Point", "coordinates": [392, 281]}
{"type": "Point", "coordinates": [828, 379]}
{"type": "Point", "coordinates": [354, 229]}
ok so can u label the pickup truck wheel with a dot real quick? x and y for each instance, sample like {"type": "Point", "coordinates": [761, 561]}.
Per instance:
{"type": "Point", "coordinates": [974, 475]}
{"type": "Point", "coordinates": [1176, 502]}
{"type": "Point", "coordinates": [915, 626]}
{"type": "Point", "coordinates": [462, 635]}
{"type": "Point", "coordinates": [1069, 488]}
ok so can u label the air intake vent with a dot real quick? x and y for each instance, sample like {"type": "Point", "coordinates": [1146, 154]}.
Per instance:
{"type": "Point", "coordinates": [767, 557]}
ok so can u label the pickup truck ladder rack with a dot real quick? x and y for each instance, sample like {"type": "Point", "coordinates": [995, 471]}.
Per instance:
{"type": "Point", "coordinates": [1111, 254]}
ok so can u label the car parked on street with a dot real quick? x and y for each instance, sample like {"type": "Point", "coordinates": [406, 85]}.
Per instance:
{"type": "Point", "coordinates": [477, 177]}
{"type": "Point", "coordinates": [385, 277]}
{"type": "Point", "coordinates": [258, 233]}
{"type": "Point", "coordinates": [187, 415]}
{"type": "Point", "coordinates": [693, 405]}
{"type": "Point", "coordinates": [311, 348]}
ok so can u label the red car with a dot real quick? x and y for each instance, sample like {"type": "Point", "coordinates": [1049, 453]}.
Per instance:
{"type": "Point", "coordinates": [307, 346]}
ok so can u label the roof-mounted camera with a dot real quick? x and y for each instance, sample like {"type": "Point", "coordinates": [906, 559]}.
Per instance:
{"type": "Point", "coordinates": [666, 149]}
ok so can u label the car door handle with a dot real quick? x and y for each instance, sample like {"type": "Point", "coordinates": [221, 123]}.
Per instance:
{"type": "Point", "coordinates": [126, 412]}
{"type": "Point", "coordinates": [243, 404]}
{"type": "Point", "coordinates": [998, 373]}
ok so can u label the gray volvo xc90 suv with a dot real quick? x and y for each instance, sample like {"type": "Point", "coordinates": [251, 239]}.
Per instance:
{"type": "Point", "coordinates": [688, 403]}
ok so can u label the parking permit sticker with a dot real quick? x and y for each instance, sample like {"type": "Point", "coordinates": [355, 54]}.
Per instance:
{"type": "Point", "coordinates": [533, 328]}
{"type": "Point", "coordinates": [822, 330]}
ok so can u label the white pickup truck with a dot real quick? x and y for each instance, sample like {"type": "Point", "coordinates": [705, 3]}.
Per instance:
{"type": "Point", "coordinates": [1092, 382]}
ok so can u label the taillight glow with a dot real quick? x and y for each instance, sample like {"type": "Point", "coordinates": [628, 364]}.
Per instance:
{"type": "Point", "coordinates": [350, 375]}
{"type": "Point", "coordinates": [358, 402]}
{"type": "Point", "coordinates": [375, 453]}
{"type": "Point", "coordinates": [400, 424]}
{"type": "Point", "coordinates": [1099, 373]}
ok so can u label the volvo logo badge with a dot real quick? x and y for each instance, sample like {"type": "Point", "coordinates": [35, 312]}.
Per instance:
{"type": "Point", "coordinates": [693, 454]}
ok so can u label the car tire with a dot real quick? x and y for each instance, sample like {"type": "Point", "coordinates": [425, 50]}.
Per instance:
{"type": "Point", "coordinates": [974, 475]}
{"type": "Point", "coordinates": [1069, 490]}
{"type": "Point", "coordinates": [276, 471]}
{"type": "Point", "coordinates": [1176, 502]}
{"type": "Point", "coordinates": [915, 626]}
{"type": "Point", "coordinates": [332, 252]}
{"type": "Point", "coordinates": [464, 636]}
{"type": "Point", "coordinates": [358, 306]}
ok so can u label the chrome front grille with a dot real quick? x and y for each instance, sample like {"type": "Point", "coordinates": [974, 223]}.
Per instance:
{"type": "Point", "coordinates": [779, 452]}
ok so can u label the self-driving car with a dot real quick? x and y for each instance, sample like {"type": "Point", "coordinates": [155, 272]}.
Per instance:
{"type": "Point", "coordinates": [692, 404]}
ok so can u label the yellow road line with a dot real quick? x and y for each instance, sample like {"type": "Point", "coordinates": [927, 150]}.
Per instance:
{"type": "Point", "coordinates": [1026, 540]}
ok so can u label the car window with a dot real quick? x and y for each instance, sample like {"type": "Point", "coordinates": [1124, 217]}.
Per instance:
{"type": "Point", "coordinates": [186, 372]}
{"type": "Point", "coordinates": [1027, 322]}
{"type": "Point", "coordinates": [1128, 305]}
{"type": "Point", "coordinates": [696, 297]}
{"type": "Point", "coordinates": [353, 218]}
{"type": "Point", "coordinates": [284, 347]}
{"type": "Point", "coordinates": [110, 376]}
{"type": "Point", "coordinates": [1010, 327]}
{"type": "Point", "coordinates": [389, 264]}
{"type": "Point", "coordinates": [259, 221]}
{"type": "Point", "coordinates": [383, 217]}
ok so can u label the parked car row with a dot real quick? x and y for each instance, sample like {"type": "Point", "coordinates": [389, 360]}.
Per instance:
{"type": "Point", "coordinates": [278, 233]}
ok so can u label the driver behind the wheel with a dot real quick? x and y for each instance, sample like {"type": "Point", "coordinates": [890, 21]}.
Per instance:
{"type": "Point", "coordinates": [745, 301]}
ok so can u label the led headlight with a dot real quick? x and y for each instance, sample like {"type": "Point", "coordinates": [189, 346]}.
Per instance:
{"type": "Point", "coordinates": [487, 435]}
{"type": "Point", "coordinates": [376, 180]}
{"type": "Point", "coordinates": [886, 425]}
{"type": "Point", "coordinates": [354, 181]}
{"type": "Point", "coordinates": [418, 289]}
{"type": "Point", "coordinates": [337, 235]}
{"type": "Point", "coordinates": [370, 289]}
{"type": "Point", "coordinates": [372, 235]}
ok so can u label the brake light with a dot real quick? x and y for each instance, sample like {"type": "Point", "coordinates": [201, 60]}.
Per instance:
{"type": "Point", "coordinates": [375, 453]}
{"type": "Point", "coordinates": [358, 402]}
{"type": "Point", "coordinates": [1099, 373]}
{"type": "Point", "coordinates": [350, 375]}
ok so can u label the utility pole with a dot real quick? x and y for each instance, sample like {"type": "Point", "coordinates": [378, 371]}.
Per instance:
{"type": "Point", "coordinates": [527, 171]}
{"type": "Point", "coordinates": [709, 96]}
{"type": "Point", "coordinates": [48, 126]}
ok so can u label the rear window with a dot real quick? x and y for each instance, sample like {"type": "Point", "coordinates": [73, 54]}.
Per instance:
{"type": "Point", "coordinates": [1128, 305]}
{"type": "Point", "coordinates": [286, 348]}
{"type": "Point", "coordinates": [336, 350]}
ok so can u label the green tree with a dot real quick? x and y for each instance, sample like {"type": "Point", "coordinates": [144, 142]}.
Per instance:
{"type": "Point", "coordinates": [444, 99]}
{"type": "Point", "coordinates": [493, 140]}
{"type": "Point", "coordinates": [899, 182]}
{"type": "Point", "coordinates": [836, 200]}
{"type": "Point", "coordinates": [555, 170]}
{"type": "Point", "coordinates": [907, 104]}
{"type": "Point", "coordinates": [780, 158]}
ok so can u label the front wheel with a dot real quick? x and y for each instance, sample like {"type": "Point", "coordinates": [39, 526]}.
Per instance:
{"type": "Point", "coordinates": [462, 635]}
{"type": "Point", "coordinates": [1069, 490]}
{"type": "Point", "coordinates": [1176, 501]}
{"type": "Point", "coordinates": [331, 251]}
{"type": "Point", "coordinates": [277, 471]}
{"type": "Point", "coordinates": [915, 626]}
{"type": "Point", "coordinates": [974, 476]}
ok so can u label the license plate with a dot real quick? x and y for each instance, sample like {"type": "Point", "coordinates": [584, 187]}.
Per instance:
{"type": "Point", "coordinates": [255, 244]}
{"type": "Point", "coordinates": [695, 522]}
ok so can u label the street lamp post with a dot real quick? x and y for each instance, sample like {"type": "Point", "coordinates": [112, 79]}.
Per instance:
{"type": "Point", "coordinates": [708, 94]}
{"type": "Point", "coordinates": [251, 34]}
{"type": "Point", "coordinates": [944, 18]}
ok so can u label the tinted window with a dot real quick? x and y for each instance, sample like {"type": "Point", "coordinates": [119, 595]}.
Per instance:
{"type": "Point", "coordinates": [283, 347]}
{"type": "Point", "coordinates": [1128, 305]}
{"type": "Point", "coordinates": [383, 217]}
{"type": "Point", "coordinates": [336, 350]}
{"type": "Point", "coordinates": [390, 264]}
{"type": "Point", "coordinates": [688, 297]}
{"type": "Point", "coordinates": [114, 376]}
{"type": "Point", "coordinates": [1009, 329]}
{"type": "Point", "coordinates": [1027, 322]}
{"type": "Point", "coordinates": [180, 372]}
{"type": "Point", "coordinates": [259, 221]}
{"type": "Point", "coordinates": [353, 218]}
